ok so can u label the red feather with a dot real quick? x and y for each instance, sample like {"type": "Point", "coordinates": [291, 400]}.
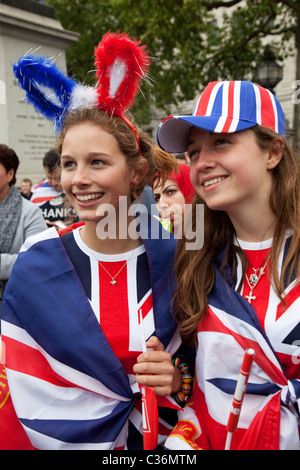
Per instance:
{"type": "Point", "coordinates": [121, 63]}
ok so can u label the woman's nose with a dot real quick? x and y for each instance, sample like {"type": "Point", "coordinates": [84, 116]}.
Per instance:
{"type": "Point", "coordinates": [163, 203]}
{"type": "Point", "coordinates": [205, 160]}
{"type": "Point", "coordinates": [81, 177]}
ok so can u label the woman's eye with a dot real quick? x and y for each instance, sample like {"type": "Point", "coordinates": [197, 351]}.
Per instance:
{"type": "Point", "coordinates": [221, 142]}
{"type": "Point", "coordinates": [193, 154]}
{"type": "Point", "coordinates": [97, 162]}
{"type": "Point", "coordinates": [171, 191]}
{"type": "Point", "coordinates": [67, 164]}
{"type": "Point", "coordinates": [156, 197]}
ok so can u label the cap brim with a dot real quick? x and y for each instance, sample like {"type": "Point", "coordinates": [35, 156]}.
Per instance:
{"type": "Point", "coordinates": [173, 132]}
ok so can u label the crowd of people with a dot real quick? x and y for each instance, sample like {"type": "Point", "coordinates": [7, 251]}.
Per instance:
{"type": "Point", "coordinates": [41, 206]}
{"type": "Point", "coordinates": [19, 217]}
{"type": "Point", "coordinates": [101, 309]}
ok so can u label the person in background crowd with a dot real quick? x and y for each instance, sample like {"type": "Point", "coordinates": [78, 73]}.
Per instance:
{"type": "Point", "coordinates": [171, 197]}
{"type": "Point", "coordinates": [182, 158]}
{"type": "Point", "coordinates": [243, 285]}
{"type": "Point", "coordinates": [19, 219]}
{"type": "Point", "coordinates": [25, 188]}
{"type": "Point", "coordinates": [48, 195]}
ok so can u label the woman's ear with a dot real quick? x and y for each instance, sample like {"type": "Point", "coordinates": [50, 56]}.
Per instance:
{"type": "Point", "coordinates": [10, 175]}
{"type": "Point", "coordinates": [275, 153]}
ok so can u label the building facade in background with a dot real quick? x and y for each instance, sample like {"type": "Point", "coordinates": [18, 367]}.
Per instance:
{"type": "Point", "coordinates": [27, 26]}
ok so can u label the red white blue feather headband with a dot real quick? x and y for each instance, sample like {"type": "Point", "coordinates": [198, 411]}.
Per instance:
{"type": "Point", "coordinates": [120, 62]}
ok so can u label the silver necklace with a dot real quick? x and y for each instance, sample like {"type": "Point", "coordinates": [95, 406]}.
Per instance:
{"type": "Point", "coordinates": [255, 277]}
{"type": "Point", "coordinates": [113, 278]}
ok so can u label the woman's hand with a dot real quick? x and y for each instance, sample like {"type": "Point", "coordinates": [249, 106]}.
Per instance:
{"type": "Point", "coordinates": [154, 368]}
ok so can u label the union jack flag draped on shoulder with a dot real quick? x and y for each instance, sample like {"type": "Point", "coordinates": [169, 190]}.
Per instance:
{"type": "Point", "coordinates": [69, 389]}
{"type": "Point", "coordinates": [269, 417]}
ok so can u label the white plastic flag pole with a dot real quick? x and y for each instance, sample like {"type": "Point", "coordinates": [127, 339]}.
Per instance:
{"type": "Point", "coordinates": [239, 395]}
{"type": "Point", "coordinates": [149, 405]}
{"type": "Point", "coordinates": [144, 349]}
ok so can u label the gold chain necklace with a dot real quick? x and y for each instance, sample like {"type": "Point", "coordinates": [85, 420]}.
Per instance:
{"type": "Point", "coordinates": [254, 278]}
{"type": "Point", "coordinates": [113, 278]}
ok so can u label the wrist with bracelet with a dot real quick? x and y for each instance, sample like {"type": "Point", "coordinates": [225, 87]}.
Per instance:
{"type": "Point", "coordinates": [187, 381]}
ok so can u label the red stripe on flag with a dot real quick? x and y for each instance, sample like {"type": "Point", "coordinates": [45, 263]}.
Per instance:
{"type": "Point", "coordinates": [146, 306]}
{"type": "Point", "coordinates": [289, 299]}
{"type": "Point", "coordinates": [12, 434]}
{"type": "Point", "coordinates": [35, 364]}
{"type": "Point", "coordinates": [37, 200]}
{"type": "Point", "coordinates": [38, 185]}
{"type": "Point", "coordinates": [204, 100]}
{"type": "Point", "coordinates": [267, 110]}
{"type": "Point", "coordinates": [230, 107]}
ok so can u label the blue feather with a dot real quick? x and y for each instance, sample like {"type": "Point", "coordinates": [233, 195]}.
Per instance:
{"type": "Point", "coordinates": [47, 88]}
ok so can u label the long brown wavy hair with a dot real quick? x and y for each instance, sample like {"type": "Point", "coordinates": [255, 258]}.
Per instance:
{"type": "Point", "coordinates": [194, 268]}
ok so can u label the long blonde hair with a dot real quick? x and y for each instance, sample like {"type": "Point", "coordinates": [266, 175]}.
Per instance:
{"type": "Point", "coordinates": [194, 269]}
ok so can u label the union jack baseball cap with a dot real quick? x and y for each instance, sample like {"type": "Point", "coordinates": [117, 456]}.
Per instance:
{"type": "Point", "coordinates": [224, 107]}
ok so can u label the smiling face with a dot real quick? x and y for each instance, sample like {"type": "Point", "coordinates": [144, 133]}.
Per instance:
{"type": "Point", "coordinates": [94, 170]}
{"type": "Point", "coordinates": [230, 172]}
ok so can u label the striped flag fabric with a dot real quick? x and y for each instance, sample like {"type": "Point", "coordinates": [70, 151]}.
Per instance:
{"type": "Point", "coordinates": [224, 107]}
{"type": "Point", "coordinates": [236, 105]}
{"type": "Point", "coordinates": [269, 418]}
{"type": "Point", "coordinates": [43, 192]}
{"type": "Point", "coordinates": [12, 434]}
{"type": "Point", "coordinates": [72, 391]}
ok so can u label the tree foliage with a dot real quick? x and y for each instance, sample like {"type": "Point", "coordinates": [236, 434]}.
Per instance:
{"type": "Point", "coordinates": [187, 45]}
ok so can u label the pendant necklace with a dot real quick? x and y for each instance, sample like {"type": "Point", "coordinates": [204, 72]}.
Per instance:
{"type": "Point", "coordinates": [113, 278]}
{"type": "Point", "coordinates": [255, 277]}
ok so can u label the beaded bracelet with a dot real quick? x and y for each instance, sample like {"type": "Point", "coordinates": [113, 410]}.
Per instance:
{"type": "Point", "coordinates": [187, 380]}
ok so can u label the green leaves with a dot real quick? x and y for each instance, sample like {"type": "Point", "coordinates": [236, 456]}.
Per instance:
{"type": "Point", "coordinates": [191, 41]}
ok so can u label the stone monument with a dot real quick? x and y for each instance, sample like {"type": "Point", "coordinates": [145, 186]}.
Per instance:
{"type": "Point", "coordinates": [27, 26]}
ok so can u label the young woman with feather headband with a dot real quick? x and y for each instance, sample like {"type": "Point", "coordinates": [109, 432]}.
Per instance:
{"type": "Point", "coordinates": [104, 279]}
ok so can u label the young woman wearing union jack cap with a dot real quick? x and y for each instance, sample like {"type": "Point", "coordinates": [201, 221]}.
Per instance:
{"type": "Point", "coordinates": [243, 284]}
